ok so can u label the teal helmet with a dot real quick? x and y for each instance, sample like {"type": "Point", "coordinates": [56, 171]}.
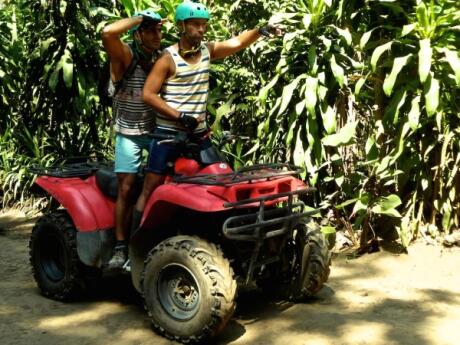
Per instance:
{"type": "Point", "coordinates": [191, 10]}
{"type": "Point", "coordinates": [149, 16]}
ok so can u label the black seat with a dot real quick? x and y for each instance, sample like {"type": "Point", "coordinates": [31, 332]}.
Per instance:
{"type": "Point", "coordinates": [107, 182]}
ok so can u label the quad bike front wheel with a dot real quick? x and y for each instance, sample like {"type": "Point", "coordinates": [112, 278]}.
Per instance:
{"type": "Point", "coordinates": [188, 288]}
{"type": "Point", "coordinates": [304, 265]}
{"type": "Point", "coordinates": [311, 263]}
{"type": "Point", "coordinates": [53, 256]}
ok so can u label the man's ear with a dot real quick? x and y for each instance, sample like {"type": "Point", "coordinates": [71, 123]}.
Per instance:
{"type": "Point", "coordinates": [137, 36]}
{"type": "Point", "coordinates": [181, 26]}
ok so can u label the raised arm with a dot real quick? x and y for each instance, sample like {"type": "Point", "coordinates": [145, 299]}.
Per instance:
{"type": "Point", "coordinates": [219, 50]}
{"type": "Point", "coordinates": [119, 53]}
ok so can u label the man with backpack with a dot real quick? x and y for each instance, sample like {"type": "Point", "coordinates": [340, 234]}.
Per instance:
{"type": "Point", "coordinates": [134, 120]}
{"type": "Point", "coordinates": [178, 86]}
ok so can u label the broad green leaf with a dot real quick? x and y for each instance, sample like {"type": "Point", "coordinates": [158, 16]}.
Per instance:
{"type": "Point", "coordinates": [45, 44]}
{"type": "Point", "coordinates": [365, 38]}
{"type": "Point", "coordinates": [345, 33]}
{"type": "Point", "coordinates": [387, 205]}
{"type": "Point", "coordinates": [390, 80]}
{"type": "Point", "coordinates": [431, 95]}
{"type": "Point", "coordinates": [383, 165]}
{"type": "Point", "coordinates": [290, 134]}
{"type": "Point", "coordinates": [454, 62]}
{"type": "Point", "coordinates": [311, 86]}
{"type": "Point", "coordinates": [378, 52]}
{"type": "Point", "coordinates": [281, 17]}
{"type": "Point", "coordinates": [288, 90]}
{"type": "Point", "coordinates": [313, 59]}
{"type": "Point", "coordinates": [52, 82]}
{"type": "Point", "coordinates": [424, 59]}
{"type": "Point", "coordinates": [343, 137]}
{"type": "Point", "coordinates": [390, 201]}
{"type": "Point", "coordinates": [361, 205]}
{"type": "Point", "coordinates": [67, 69]}
{"type": "Point", "coordinates": [359, 84]}
{"type": "Point", "coordinates": [371, 149]}
{"type": "Point", "coordinates": [223, 110]}
{"type": "Point", "coordinates": [346, 203]}
{"type": "Point", "coordinates": [94, 11]}
{"type": "Point", "coordinates": [329, 120]}
{"type": "Point", "coordinates": [339, 180]}
{"type": "Point", "coordinates": [62, 7]}
{"type": "Point", "coordinates": [338, 72]}
{"type": "Point", "coordinates": [407, 29]}
{"type": "Point", "coordinates": [288, 40]}
{"type": "Point", "coordinates": [263, 94]}
{"type": "Point", "coordinates": [299, 107]}
{"type": "Point", "coordinates": [306, 20]}
{"type": "Point", "coordinates": [328, 230]}
{"type": "Point", "coordinates": [397, 101]}
{"type": "Point", "coordinates": [299, 153]}
{"type": "Point", "coordinates": [414, 113]}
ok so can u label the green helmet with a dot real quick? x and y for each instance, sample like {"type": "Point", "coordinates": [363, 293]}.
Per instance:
{"type": "Point", "coordinates": [148, 14]}
{"type": "Point", "coordinates": [191, 10]}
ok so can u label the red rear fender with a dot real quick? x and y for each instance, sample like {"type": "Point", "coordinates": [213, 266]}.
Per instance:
{"type": "Point", "coordinates": [89, 208]}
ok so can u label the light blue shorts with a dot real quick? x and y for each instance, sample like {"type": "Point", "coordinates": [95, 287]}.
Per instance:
{"type": "Point", "coordinates": [128, 152]}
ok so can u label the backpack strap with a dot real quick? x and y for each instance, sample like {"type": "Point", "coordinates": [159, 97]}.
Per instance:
{"type": "Point", "coordinates": [129, 71]}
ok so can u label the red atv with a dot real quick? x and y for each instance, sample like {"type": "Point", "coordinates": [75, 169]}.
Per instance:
{"type": "Point", "coordinates": [205, 232]}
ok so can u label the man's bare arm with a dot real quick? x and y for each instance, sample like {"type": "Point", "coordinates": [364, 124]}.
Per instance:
{"type": "Point", "coordinates": [119, 52]}
{"type": "Point", "coordinates": [226, 48]}
{"type": "Point", "coordinates": [161, 71]}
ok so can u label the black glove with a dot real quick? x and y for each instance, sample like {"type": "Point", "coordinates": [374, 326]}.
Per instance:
{"type": "Point", "coordinates": [270, 30]}
{"type": "Point", "coordinates": [188, 121]}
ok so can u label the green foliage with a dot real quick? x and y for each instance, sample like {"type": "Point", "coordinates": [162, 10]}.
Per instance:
{"type": "Point", "coordinates": [363, 94]}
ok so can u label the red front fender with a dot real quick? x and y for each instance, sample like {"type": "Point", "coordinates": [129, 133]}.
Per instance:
{"type": "Point", "coordinates": [89, 208]}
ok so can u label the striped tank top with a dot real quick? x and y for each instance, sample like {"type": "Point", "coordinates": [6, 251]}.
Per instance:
{"type": "Point", "coordinates": [132, 115]}
{"type": "Point", "coordinates": [187, 90]}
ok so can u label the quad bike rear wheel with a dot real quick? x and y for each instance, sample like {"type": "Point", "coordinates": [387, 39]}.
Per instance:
{"type": "Point", "coordinates": [53, 256]}
{"type": "Point", "coordinates": [188, 288]}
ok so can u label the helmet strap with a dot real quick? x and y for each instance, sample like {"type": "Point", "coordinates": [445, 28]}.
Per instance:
{"type": "Point", "coordinates": [189, 52]}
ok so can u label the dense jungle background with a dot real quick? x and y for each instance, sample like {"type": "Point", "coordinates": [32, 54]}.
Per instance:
{"type": "Point", "coordinates": [363, 94]}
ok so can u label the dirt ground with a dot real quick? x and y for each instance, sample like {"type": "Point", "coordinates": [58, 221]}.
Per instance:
{"type": "Point", "coordinates": [381, 298]}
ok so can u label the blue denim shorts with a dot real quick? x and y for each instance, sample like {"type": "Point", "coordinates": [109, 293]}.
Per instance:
{"type": "Point", "coordinates": [128, 152]}
{"type": "Point", "coordinates": [163, 155]}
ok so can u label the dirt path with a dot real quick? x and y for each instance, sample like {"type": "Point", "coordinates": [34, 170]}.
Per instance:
{"type": "Point", "coordinates": [378, 299]}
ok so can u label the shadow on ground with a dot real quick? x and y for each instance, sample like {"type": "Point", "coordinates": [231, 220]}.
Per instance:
{"type": "Point", "coordinates": [344, 312]}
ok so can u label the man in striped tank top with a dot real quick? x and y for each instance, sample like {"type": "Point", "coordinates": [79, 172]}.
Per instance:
{"type": "Point", "coordinates": [134, 120]}
{"type": "Point", "coordinates": [181, 77]}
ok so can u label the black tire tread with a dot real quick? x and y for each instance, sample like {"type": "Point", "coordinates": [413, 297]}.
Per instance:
{"type": "Point", "coordinates": [319, 262]}
{"type": "Point", "coordinates": [216, 268]}
{"type": "Point", "coordinates": [69, 286]}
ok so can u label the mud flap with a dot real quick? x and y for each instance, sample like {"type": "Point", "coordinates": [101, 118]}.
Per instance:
{"type": "Point", "coordinates": [95, 248]}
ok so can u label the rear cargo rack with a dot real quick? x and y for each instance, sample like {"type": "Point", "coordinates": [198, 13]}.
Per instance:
{"type": "Point", "coordinates": [78, 169]}
{"type": "Point", "coordinates": [258, 172]}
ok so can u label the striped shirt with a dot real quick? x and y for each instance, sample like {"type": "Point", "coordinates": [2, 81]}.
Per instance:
{"type": "Point", "coordinates": [132, 115]}
{"type": "Point", "coordinates": [187, 90]}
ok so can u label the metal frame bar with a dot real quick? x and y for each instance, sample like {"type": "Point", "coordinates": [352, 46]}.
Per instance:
{"type": "Point", "coordinates": [246, 174]}
{"type": "Point", "coordinates": [71, 169]}
{"type": "Point", "coordinates": [254, 231]}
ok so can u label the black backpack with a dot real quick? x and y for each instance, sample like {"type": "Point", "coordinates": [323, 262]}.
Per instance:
{"type": "Point", "coordinates": [106, 89]}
